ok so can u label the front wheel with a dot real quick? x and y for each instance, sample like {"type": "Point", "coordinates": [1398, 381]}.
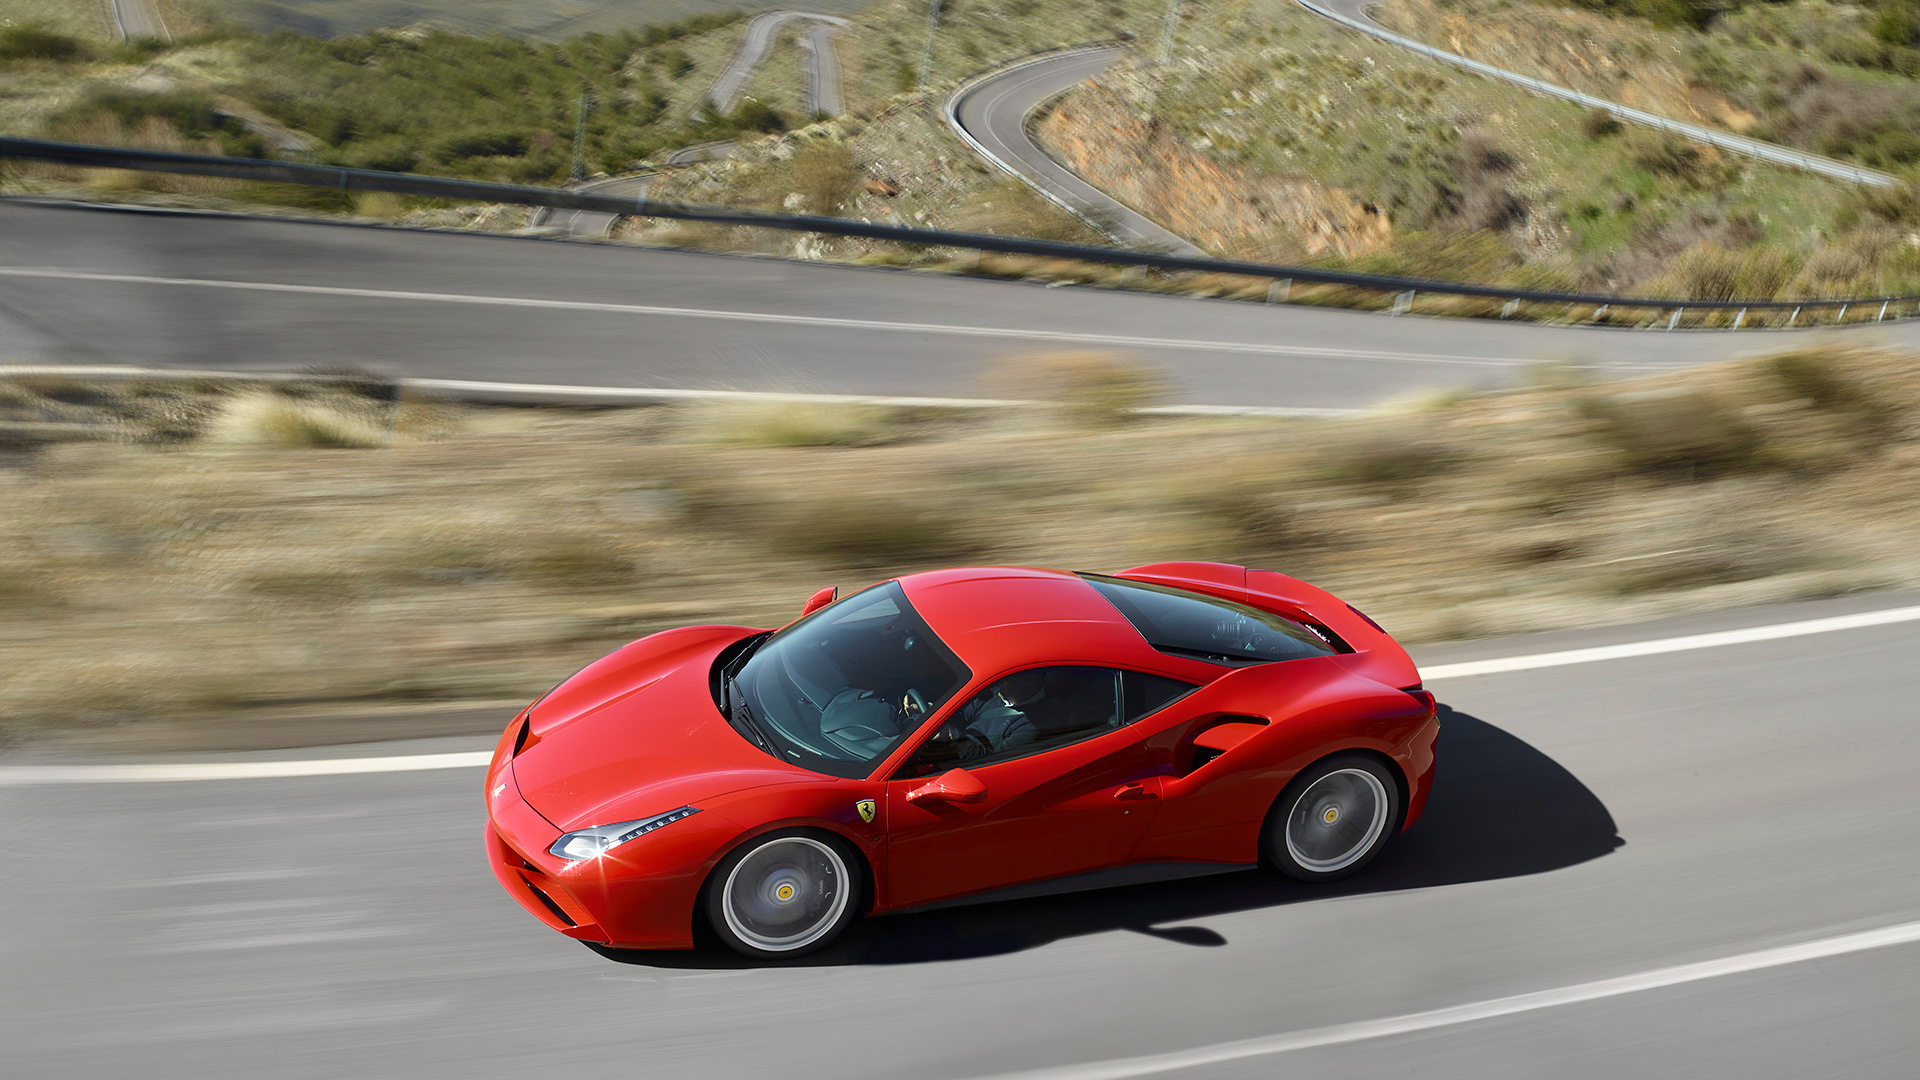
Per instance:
{"type": "Point", "coordinates": [783, 895]}
{"type": "Point", "coordinates": [1332, 819]}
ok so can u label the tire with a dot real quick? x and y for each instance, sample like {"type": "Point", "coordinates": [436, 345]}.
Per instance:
{"type": "Point", "coordinates": [785, 894]}
{"type": "Point", "coordinates": [1333, 819]}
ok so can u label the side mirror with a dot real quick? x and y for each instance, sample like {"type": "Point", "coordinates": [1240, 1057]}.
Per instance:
{"type": "Point", "coordinates": [953, 786]}
{"type": "Point", "coordinates": [819, 600]}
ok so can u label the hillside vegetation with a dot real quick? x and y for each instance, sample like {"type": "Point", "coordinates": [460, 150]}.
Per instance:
{"type": "Point", "coordinates": [429, 100]}
{"type": "Point", "coordinates": [549, 20]}
{"type": "Point", "coordinates": [1474, 179]}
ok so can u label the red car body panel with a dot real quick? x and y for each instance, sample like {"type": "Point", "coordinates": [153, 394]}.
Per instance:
{"type": "Point", "coordinates": [637, 733]}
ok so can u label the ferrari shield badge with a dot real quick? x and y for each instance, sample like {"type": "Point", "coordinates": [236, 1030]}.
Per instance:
{"type": "Point", "coordinates": [865, 806]}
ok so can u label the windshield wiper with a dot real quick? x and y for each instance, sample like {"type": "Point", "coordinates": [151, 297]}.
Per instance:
{"type": "Point", "coordinates": [731, 671]}
{"type": "Point", "coordinates": [743, 720]}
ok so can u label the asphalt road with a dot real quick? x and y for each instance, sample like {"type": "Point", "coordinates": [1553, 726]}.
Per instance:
{"type": "Point", "coordinates": [92, 286]}
{"type": "Point", "coordinates": [1590, 822]}
{"type": "Point", "coordinates": [991, 114]}
{"type": "Point", "coordinates": [136, 19]}
{"type": "Point", "coordinates": [760, 35]}
{"type": "Point", "coordinates": [822, 68]}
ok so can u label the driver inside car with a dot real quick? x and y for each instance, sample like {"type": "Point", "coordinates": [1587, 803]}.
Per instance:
{"type": "Point", "coordinates": [995, 723]}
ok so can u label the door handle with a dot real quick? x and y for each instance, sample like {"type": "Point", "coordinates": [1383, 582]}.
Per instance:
{"type": "Point", "coordinates": [1135, 792]}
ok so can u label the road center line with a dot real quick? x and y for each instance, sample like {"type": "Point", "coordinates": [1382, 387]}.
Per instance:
{"type": "Point", "coordinates": [1672, 644]}
{"type": "Point", "coordinates": [1186, 344]}
{"type": "Point", "coordinates": [25, 775]}
{"type": "Point", "coordinates": [1336, 1034]}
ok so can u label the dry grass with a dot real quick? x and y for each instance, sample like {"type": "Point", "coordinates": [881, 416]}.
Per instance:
{"type": "Point", "coordinates": [476, 555]}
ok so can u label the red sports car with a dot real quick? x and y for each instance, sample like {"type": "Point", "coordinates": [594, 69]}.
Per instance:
{"type": "Point", "coordinates": [957, 735]}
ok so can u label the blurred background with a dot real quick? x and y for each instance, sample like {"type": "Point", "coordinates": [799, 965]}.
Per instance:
{"type": "Point", "coordinates": [290, 473]}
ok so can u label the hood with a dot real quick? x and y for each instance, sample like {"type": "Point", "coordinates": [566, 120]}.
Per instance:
{"type": "Point", "coordinates": [636, 734]}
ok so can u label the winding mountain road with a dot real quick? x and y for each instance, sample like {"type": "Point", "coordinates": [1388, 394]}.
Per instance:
{"type": "Point", "coordinates": [1656, 860]}
{"type": "Point", "coordinates": [990, 113]}
{"type": "Point", "coordinates": [761, 32]}
{"type": "Point", "coordinates": [820, 94]}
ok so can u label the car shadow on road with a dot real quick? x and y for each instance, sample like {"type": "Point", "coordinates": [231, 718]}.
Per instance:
{"type": "Point", "coordinates": [1499, 809]}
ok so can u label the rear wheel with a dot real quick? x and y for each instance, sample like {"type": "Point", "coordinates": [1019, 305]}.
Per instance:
{"type": "Point", "coordinates": [785, 894]}
{"type": "Point", "coordinates": [1332, 819]}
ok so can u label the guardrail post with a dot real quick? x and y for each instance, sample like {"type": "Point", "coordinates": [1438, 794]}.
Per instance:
{"type": "Point", "coordinates": [1676, 318]}
{"type": "Point", "coordinates": [1602, 311]}
{"type": "Point", "coordinates": [1842, 317]}
{"type": "Point", "coordinates": [1278, 291]}
{"type": "Point", "coordinates": [1508, 310]}
{"type": "Point", "coordinates": [1740, 318]}
{"type": "Point", "coordinates": [1796, 315]}
{"type": "Point", "coordinates": [1883, 312]}
{"type": "Point", "coordinates": [1403, 302]}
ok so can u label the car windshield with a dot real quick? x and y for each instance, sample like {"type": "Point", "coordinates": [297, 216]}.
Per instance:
{"type": "Point", "coordinates": [1206, 627]}
{"type": "Point", "coordinates": [838, 690]}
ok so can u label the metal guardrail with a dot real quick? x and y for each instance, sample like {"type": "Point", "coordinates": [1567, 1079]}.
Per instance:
{"type": "Point", "coordinates": [1738, 144]}
{"type": "Point", "coordinates": [1404, 289]}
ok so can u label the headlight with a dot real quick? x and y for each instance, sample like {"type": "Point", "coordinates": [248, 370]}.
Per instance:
{"type": "Point", "coordinates": [597, 841]}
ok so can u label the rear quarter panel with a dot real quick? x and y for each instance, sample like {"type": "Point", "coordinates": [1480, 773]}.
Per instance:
{"type": "Point", "coordinates": [1313, 708]}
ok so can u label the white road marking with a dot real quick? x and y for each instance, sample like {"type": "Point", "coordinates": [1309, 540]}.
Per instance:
{"type": "Point", "coordinates": [1673, 644]}
{"type": "Point", "coordinates": [1336, 1034]}
{"type": "Point", "coordinates": [25, 775]}
{"type": "Point", "coordinates": [566, 393]}
{"type": "Point", "coordinates": [834, 322]}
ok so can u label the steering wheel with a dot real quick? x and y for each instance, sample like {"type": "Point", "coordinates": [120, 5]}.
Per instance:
{"type": "Point", "coordinates": [912, 705]}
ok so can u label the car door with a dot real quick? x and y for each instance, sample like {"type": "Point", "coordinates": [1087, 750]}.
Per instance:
{"type": "Point", "coordinates": [1044, 774]}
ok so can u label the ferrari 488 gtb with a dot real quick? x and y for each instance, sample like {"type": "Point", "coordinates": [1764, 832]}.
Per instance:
{"type": "Point", "coordinates": [955, 735]}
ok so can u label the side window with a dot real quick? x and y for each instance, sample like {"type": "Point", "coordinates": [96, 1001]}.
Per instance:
{"type": "Point", "coordinates": [1039, 709]}
{"type": "Point", "coordinates": [1141, 694]}
{"type": "Point", "coordinates": [1024, 713]}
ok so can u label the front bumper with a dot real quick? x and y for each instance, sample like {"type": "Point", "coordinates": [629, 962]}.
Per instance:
{"type": "Point", "coordinates": [641, 895]}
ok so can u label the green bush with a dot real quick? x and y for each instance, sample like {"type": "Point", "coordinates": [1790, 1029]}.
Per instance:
{"type": "Point", "coordinates": [1678, 433]}
{"type": "Point", "coordinates": [871, 530]}
{"type": "Point", "coordinates": [494, 107]}
{"type": "Point", "coordinates": [1393, 462]}
{"type": "Point", "coordinates": [32, 41]}
{"type": "Point", "coordinates": [1599, 123]}
{"type": "Point", "coordinates": [190, 114]}
{"type": "Point", "coordinates": [1665, 154]}
{"type": "Point", "coordinates": [827, 175]}
{"type": "Point", "coordinates": [676, 62]}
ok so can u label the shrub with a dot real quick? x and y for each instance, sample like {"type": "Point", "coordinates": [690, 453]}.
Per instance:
{"type": "Point", "coordinates": [265, 418]}
{"type": "Point", "coordinates": [1812, 378]}
{"type": "Point", "coordinates": [1599, 123]}
{"type": "Point", "coordinates": [1676, 432]}
{"type": "Point", "coordinates": [1665, 154]}
{"type": "Point", "coordinates": [675, 61]}
{"type": "Point", "coordinates": [1392, 461]}
{"type": "Point", "coordinates": [32, 41]}
{"type": "Point", "coordinates": [752, 114]}
{"type": "Point", "coordinates": [827, 175]}
{"type": "Point", "coordinates": [870, 530]}
{"type": "Point", "coordinates": [794, 423]}
{"type": "Point", "coordinates": [1708, 271]}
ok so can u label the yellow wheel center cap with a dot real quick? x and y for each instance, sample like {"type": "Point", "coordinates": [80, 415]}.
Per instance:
{"type": "Point", "coordinates": [784, 892]}
{"type": "Point", "coordinates": [1332, 815]}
